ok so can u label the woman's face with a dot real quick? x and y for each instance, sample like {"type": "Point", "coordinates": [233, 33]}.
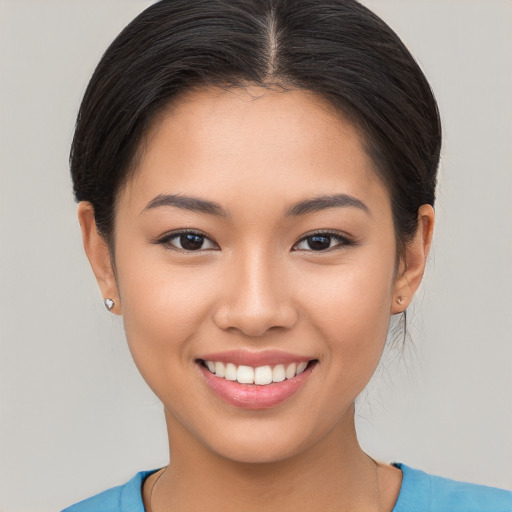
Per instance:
{"type": "Point", "coordinates": [255, 234]}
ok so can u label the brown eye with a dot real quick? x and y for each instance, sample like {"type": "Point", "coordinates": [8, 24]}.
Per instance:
{"type": "Point", "coordinates": [189, 241]}
{"type": "Point", "coordinates": [318, 242]}
{"type": "Point", "coordinates": [321, 242]}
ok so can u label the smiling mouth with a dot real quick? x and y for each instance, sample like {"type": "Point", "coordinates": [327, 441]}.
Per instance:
{"type": "Point", "coordinates": [260, 375]}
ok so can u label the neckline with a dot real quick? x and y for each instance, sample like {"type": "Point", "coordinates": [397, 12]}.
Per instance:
{"type": "Point", "coordinates": [411, 478]}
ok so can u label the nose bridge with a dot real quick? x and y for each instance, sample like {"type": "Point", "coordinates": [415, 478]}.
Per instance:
{"type": "Point", "coordinates": [257, 296]}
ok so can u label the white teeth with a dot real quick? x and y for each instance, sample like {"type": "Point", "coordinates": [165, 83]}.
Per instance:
{"type": "Point", "coordinates": [220, 369]}
{"type": "Point", "coordinates": [230, 372]}
{"type": "Point", "coordinates": [261, 376]}
{"type": "Point", "coordinates": [278, 373]}
{"type": "Point", "coordinates": [290, 371]}
{"type": "Point", "coordinates": [245, 375]}
{"type": "Point", "coordinates": [301, 367]}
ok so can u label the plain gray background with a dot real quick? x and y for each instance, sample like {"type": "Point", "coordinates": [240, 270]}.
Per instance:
{"type": "Point", "coordinates": [75, 416]}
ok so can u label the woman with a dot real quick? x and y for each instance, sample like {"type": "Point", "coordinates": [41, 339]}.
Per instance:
{"type": "Point", "coordinates": [256, 183]}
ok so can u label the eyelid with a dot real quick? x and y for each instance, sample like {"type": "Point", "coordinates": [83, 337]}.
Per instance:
{"type": "Point", "coordinates": [167, 237]}
{"type": "Point", "coordinates": [345, 240]}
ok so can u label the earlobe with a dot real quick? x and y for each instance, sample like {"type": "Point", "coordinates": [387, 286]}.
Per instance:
{"type": "Point", "coordinates": [413, 265]}
{"type": "Point", "coordinates": [98, 253]}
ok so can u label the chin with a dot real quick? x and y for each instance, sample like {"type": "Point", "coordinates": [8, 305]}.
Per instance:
{"type": "Point", "coordinates": [251, 444]}
{"type": "Point", "coordinates": [261, 453]}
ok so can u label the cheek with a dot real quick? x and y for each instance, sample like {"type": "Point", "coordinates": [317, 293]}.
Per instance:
{"type": "Point", "coordinates": [162, 308]}
{"type": "Point", "coordinates": [351, 312]}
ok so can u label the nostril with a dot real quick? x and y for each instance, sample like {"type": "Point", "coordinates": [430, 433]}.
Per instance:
{"type": "Point", "coordinates": [254, 311]}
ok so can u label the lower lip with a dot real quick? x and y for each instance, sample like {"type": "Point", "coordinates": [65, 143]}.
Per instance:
{"type": "Point", "coordinates": [253, 396]}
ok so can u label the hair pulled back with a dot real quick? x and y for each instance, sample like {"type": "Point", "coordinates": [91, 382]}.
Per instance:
{"type": "Point", "coordinates": [335, 48]}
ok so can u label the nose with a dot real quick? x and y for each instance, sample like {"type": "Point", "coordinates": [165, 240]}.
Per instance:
{"type": "Point", "coordinates": [256, 298]}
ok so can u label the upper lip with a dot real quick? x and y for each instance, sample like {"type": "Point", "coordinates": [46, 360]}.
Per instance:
{"type": "Point", "coordinates": [255, 359]}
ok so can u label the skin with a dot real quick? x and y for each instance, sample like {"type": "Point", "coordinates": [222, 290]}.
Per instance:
{"type": "Point", "coordinates": [255, 285]}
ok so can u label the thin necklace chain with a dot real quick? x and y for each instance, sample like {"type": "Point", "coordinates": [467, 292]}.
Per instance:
{"type": "Point", "coordinates": [153, 488]}
{"type": "Point", "coordinates": [377, 488]}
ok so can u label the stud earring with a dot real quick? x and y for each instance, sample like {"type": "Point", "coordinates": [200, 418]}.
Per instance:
{"type": "Point", "coordinates": [109, 304]}
{"type": "Point", "coordinates": [400, 300]}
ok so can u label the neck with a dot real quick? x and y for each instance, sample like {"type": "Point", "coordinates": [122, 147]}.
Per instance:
{"type": "Point", "coordinates": [334, 474]}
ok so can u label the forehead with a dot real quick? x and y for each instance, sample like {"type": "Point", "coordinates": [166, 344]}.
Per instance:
{"type": "Point", "coordinates": [249, 141]}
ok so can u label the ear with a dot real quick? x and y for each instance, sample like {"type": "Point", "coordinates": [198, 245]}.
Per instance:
{"type": "Point", "coordinates": [412, 266]}
{"type": "Point", "coordinates": [98, 253]}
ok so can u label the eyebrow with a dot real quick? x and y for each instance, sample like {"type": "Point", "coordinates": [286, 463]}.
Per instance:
{"type": "Point", "coordinates": [187, 203]}
{"type": "Point", "coordinates": [324, 202]}
{"type": "Point", "coordinates": [315, 204]}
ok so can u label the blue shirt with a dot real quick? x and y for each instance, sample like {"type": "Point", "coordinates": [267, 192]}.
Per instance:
{"type": "Point", "coordinates": [420, 492]}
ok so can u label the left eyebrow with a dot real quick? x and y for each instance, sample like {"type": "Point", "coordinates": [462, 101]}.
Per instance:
{"type": "Point", "coordinates": [194, 204]}
{"type": "Point", "coordinates": [324, 202]}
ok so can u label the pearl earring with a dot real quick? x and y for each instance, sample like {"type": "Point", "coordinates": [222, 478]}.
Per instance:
{"type": "Point", "coordinates": [109, 304]}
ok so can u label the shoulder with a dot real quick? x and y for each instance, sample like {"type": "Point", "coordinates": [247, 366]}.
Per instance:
{"type": "Point", "coordinates": [123, 498]}
{"type": "Point", "coordinates": [422, 492]}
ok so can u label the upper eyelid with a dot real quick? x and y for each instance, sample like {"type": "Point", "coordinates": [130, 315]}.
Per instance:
{"type": "Point", "coordinates": [177, 232]}
{"type": "Point", "coordinates": [323, 232]}
{"type": "Point", "coordinates": [338, 234]}
{"type": "Point", "coordinates": [165, 238]}
{"type": "Point", "coordinates": [174, 234]}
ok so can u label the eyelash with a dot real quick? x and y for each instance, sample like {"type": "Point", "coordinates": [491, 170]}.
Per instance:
{"type": "Point", "coordinates": [166, 239]}
{"type": "Point", "coordinates": [343, 241]}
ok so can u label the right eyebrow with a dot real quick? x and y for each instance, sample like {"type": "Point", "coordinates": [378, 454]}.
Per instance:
{"type": "Point", "coordinates": [320, 203]}
{"type": "Point", "coordinates": [194, 204]}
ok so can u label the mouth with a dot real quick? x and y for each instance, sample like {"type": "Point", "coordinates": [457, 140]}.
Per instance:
{"type": "Point", "coordinates": [261, 386]}
{"type": "Point", "coordinates": [260, 375]}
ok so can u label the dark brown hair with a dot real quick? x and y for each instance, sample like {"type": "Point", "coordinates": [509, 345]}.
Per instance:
{"type": "Point", "coordinates": [335, 48]}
